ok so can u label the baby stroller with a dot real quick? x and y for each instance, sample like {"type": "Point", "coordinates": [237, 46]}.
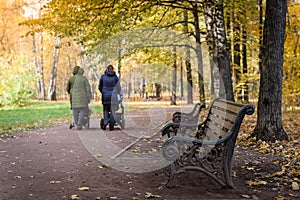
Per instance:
{"type": "Point", "coordinates": [86, 122]}
{"type": "Point", "coordinates": [119, 115]}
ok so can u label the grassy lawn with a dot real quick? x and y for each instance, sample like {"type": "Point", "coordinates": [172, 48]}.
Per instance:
{"type": "Point", "coordinates": [36, 115]}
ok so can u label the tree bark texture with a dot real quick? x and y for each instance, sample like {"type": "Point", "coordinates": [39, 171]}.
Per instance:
{"type": "Point", "coordinates": [218, 46]}
{"type": "Point", "coordinates": [39, 72]}
{"type": "Point", "coordinates": [174, 79]}
{"type": "Point", "coordinates": [52, 85]}
{"type": "Point", "coordinates": [188, 63]}
{"type": "Point", "coordinates": [42, 80]}
{"type": "Point", "coordinates": [269, 115]}
{"type": "Point", "coordinates": [199, 53]}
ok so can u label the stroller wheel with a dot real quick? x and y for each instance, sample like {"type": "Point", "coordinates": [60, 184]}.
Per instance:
{"type": "Point", "coordinates": [102, 126]}
{"type": "Point", "coordinates": [122, 124]}
{"type": "Point", "coordinates": [88, 123]}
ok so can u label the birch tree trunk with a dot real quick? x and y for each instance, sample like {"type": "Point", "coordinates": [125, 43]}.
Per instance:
{"type": "Point", "coordinates": [52, 84]}
{"type": "Point", "coordinates": [39, 72]}
{"type": "Point", "coordinates": [269, 115]}
{"type": "Point", "coordinates": [43, 92]}
{"type": "Point", "coordinates": [218, 46]}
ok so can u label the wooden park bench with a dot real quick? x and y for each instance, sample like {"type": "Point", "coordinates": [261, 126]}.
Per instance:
{"type": "Point", "coordinates": [211, 148]}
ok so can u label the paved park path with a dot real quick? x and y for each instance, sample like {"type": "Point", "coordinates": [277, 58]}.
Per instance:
{"type": "Point", "coordinates": [58, 163]}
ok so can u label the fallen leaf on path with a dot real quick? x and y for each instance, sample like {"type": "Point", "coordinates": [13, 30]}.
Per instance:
{"type": "Point", "coordinates": [84, 188]}
{"type": "Point", "coordinates": [251, 182]}
{"type": "Point", "coordinates": [98, 155]}
{"type": "Point", "coordinates": [280, 198]}
{"type": "Point", "coordinates": [150, 195]}
{"type": "Point", "coordinates": [74, 196]}
{"type": "Point", "coordinates": [246, 196]}
{"type": "Point", "coordinates": [295, 186]}
{"type": "Point", "coordinates": [277, 174]}
{"type": "Point", "coordinates": [292, 195]}
{"type": "Point", "coordinates": [54, 182]}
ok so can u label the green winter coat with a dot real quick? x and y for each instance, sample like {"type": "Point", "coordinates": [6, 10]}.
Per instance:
{"type": "Point", "coordinates": [81, 92]}
{"type": "Point", "coordinates": [71, 83]}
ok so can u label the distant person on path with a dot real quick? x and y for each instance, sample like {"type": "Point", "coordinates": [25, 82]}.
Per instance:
{"type": "Point", "coordinates": [110, 88]}
{"type": "Point", "coordinates": [81, 97]}
{"type": "Point", "coordinates": [70, 87]}
{"type": "Point", "coordinates": [71, 83]}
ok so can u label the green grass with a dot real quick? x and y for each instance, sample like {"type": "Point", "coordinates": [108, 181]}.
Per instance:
{"type": "Point", "coordinates": [36, 115]}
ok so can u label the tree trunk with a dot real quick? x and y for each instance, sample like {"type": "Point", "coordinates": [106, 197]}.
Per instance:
{"type": "Point", "coordinates": [218, 47]}
{"type": "Point", "coordinates": [181, 79]}
{"type": "Point", "coordinates": [42, 80]}
{"type": "Point", "coordinates": [199, 53]}
{"type": "Point", "coordinates": [260, 28]}
{"type": "Point", "coordinates": [38, 69]}
{"type": "Point", "coordinates": [269, 115]}
{"type": "Point", "coordinates": [245, 89]}
{"type": "Point", "coordinates": [52, 85]}
{"type": "Point", "coordinates": [188, 63]}
{"type": "Point", "coordinates": [237, 55]}
{"type": "Point", "coordinates": [174, 79]}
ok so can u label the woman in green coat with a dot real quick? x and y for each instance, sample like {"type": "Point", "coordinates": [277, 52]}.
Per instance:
{"type": "Point", "coordinates": [81, 97]}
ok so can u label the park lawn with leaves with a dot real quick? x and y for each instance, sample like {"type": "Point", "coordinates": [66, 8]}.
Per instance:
{"type": "Point", "coordinates": [36, 115]}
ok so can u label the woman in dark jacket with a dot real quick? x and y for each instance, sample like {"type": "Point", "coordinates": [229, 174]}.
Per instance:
{"type": "Point", "coordinates": [109, 86]}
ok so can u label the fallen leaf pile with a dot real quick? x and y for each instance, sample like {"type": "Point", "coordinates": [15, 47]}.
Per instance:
{"type": "Point", "coordinates": [285, 154]}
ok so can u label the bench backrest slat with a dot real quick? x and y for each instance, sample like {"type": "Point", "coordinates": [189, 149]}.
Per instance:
{"type": "Point", "coordinates": [222, 114]}
{"type": "Point", "coordinates": [221, 119]}
{"type": "Point", "coordinates": [226, 124]}
{"type": "Point", "coordinates": [210, 135]}
{"type": "Point", "coordinates": [228, 106]}
{"type": "Point", "coordinates": [196, 111]}
{"type": "Point", "coordinates": [212, 130]}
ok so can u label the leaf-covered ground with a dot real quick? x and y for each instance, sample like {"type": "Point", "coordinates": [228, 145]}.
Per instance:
{"type": "Point", "coordinates": [55, 163]}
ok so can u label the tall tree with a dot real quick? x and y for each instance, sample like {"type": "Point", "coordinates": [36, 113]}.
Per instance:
{"type": "Point", "coordinates": [52, 84]}
{"type": "Point", "coordinates": [188, 62]}
{"type": "Point", "coordinates": [39, 66]}
{"type": "Point", "coordinates": [218, 46]}
{"type": "Point", "coordinates": [269, 115]}
{"type": "Point", "coordinates": [174, 79]}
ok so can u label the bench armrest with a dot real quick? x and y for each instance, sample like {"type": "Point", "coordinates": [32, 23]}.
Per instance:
{"type": "Point", "coordinates": [181, 116]}
{"type": "Point", "coordinates": [174, 127]}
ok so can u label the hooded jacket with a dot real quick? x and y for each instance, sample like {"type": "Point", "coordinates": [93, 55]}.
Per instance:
{"type": "Point", "coordinates": [71, 83]}
{"type": "Point", "coordinates": [81, 92]}
{"type": "Point", "coordinates": [72, 79]}
{"type": "Point", "coordinates": [109, 86]}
